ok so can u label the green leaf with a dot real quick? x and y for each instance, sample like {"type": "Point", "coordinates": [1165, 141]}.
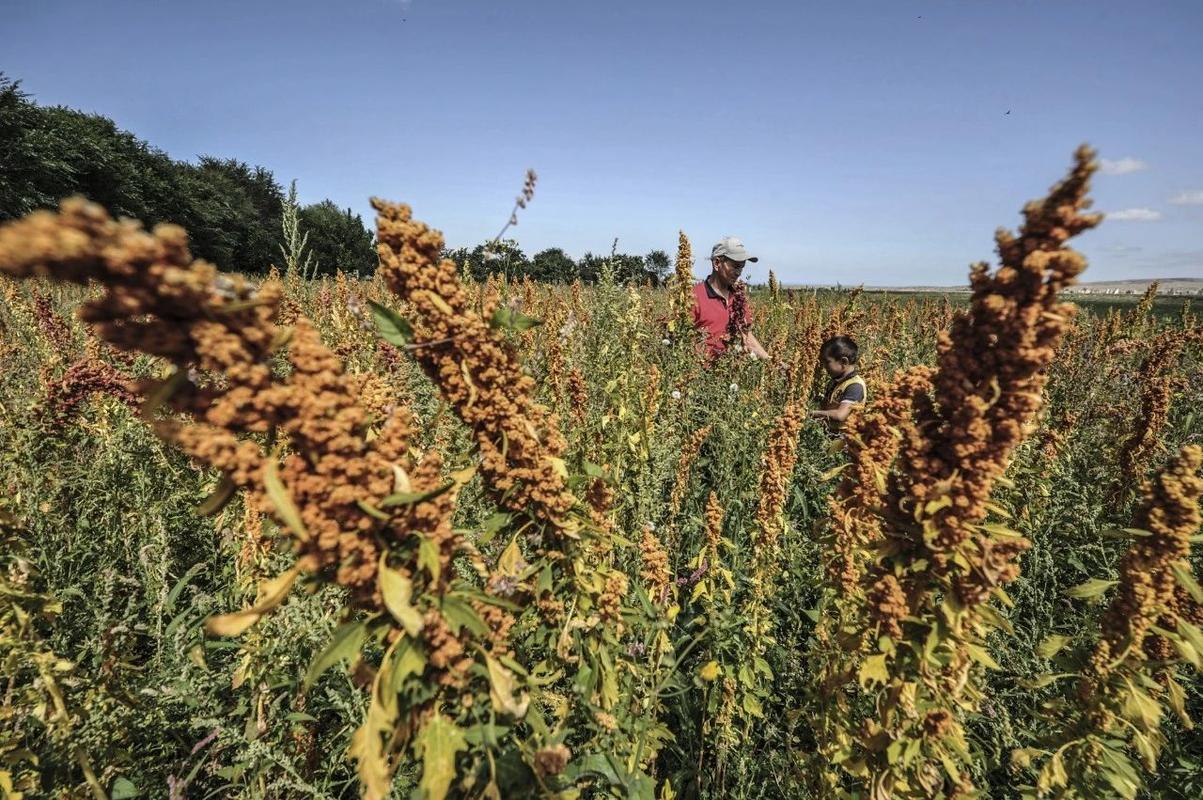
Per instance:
{"type": "Point", "coordinates": [397, 590]}
{"type": "Point", "coordinates": [461, 615]}
{"type": "Point", "coordinates": [1038, 682]}
{"type": "Point", "coordinates": [1052, 645]}
{"type": "Point", "coordinates": [1123, 533]}
{"type": "Point", "coordinates": [752, 706]}
{"type": "Point", "coordinates": [409, 498]}
{"type": "Point", "coordinates": [344, 646]}
{"type": "Point", "coordinates": [511, 320]}
{"type": "Point", "coordinates": [410, 661]}
{"type": "Point", "coordinates": [217, 501]}
{"type": "Point", "coordinates": [438, 743]}
{"type": "Point", "coordinates": [428, 558]}
{"type": "Point", "coordinates": [299, 716]}
{"type": "Point", "coordinates": [981, 656]}
{"type": "Point", "coordinates": [1191, 634]}
{"type": "Point", "coordinates": [1186, 580]}
{"type": "Point", "coordinates": [372, 511]}
{"type": "Point", "coordinates": [282, 501]}
{"type": "Point", "coordinates": [174, 594]}
{"type": "Point", "coordinates": [391, 326]}
{"type": "Point", "coordinates": [123, 789]}
{"type": "Point", "coordinates": [164, 391]}
{"type": "Point", "coordinates": [491, 526]}
{"type": "Point", "coordinates": [1091, 588]}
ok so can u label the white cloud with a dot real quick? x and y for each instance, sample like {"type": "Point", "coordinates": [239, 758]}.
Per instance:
{"type": "Point", "coordinates": [1134, 215]}
{"type": "Point", "coordinates": [1191, 197]}
{"type": "Point", "coordinates": [1122, 166]}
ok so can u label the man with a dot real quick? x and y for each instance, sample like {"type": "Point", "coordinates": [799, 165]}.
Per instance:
{"type": "Point", "coordinates": [720, 296]}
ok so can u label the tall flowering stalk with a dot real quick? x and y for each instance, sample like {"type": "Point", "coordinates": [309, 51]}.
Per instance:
{"type": "Point", "coordinates": [685, 462]}
{"type": "Point", "coordinates": [576, 606]}
{"type": "Point", "coordinates": [1150, 628]}
{"type": "Point", "coordinates": [871, 443]}
{"type": "Point", "coordinates": [1157, 380]}
{"type": "Point", "coordinates": [681, 291]}
{"type": "Point", "coordinates": [940, 561]}
{"type": "Point", "coordinates": [521, 446]}
{"type": "Point", "coordinates": [359, 510]}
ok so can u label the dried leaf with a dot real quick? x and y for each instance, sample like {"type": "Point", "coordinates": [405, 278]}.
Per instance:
{"type": "Point", "coordinates": [271, 594]}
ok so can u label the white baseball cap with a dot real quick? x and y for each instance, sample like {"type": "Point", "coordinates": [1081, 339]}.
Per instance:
{"type": "Point", "coordinates": [731, 247]}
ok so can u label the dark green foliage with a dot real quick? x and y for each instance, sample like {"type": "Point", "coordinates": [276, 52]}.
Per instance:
{"type": "Point", "coordinates": [338, 239]}
{"type": "Point", "coordinates": [232, 210]}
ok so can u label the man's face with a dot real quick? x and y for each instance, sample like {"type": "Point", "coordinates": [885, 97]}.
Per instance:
{"type": "Point", "coordinates": [728, 270]}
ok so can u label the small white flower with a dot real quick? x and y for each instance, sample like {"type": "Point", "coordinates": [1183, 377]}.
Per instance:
{"type": "Point", "coordinates": [734, 388]}
{"type": "Point", "coordinates": [676, 395]}
{"type": "Point", "coordinates": [666, 342]}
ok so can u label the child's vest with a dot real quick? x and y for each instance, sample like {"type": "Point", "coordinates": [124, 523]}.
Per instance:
{"type": "Point", "coordinates": [833, 397]}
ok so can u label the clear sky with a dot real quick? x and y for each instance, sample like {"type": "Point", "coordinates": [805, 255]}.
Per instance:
{"type": "Point", "coordinates": [844, 140]}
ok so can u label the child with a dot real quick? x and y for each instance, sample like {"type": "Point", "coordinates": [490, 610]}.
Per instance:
{"type": "Point", "coordinates": [838, 356]}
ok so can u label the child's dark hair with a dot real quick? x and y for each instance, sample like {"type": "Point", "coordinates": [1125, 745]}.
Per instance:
{"type": "Point", "coordinates": [841, 348]}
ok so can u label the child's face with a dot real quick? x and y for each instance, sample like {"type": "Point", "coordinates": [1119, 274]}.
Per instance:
{"type": "Point", "coordinates": [835, 366]}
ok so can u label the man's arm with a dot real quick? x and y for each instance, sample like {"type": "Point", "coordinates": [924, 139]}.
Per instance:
{"type": "Point", "coordinates": [754, 347]}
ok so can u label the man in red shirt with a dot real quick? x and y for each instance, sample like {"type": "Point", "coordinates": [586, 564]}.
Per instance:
{"type": "Point", "coordinates": [720, 295]}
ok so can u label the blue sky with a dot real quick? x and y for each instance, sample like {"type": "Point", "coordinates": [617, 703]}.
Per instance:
{"type": "Point", "coordinates": [844, 141]}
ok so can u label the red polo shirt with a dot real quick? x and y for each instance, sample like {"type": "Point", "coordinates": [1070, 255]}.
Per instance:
{"type": "Point", "coordinates": [710, 312]}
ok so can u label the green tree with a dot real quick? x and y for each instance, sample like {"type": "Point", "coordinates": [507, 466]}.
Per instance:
{"type": "Point", "coordinates": [657, 265]}
{"type": "Point", "coordinates": [47, 154]}
{"type": "Point", "coordinates": [338, 239]}
{"type": "Point", "coordinates": [553, 265]}
{"type": "Point", "coordinates": [504, 257]}
{"type": "Point", "coordinates": [232, 212]}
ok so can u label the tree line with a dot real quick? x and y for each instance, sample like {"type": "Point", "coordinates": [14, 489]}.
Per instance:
{"type": "Point", "coordinates": [234, 212]}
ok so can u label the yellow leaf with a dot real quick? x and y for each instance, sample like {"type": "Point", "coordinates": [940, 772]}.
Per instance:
{"type": "Point", "coordinates": [873, 670]}
{"type": "Point", "coordinates": [285, 508]}
{"type": "Point", "coordinates": [1177, 698]}
{"type": "Point", "coordinates": [367, 746]}
{"type": "Point", "coordinates": [501, 691]}
{"type": "Point", "coordinates": [511, 563]}
{"type": "Point", "coordinates": [1090, 588]}
{"type": "Point", "coordinates": [437, 301]}
{"type": "Point", "coordinates": [979, 654]}
{"type": "Point", "coordinates": [831, 473]}
{"type": "Point", "coordinates": [271, 594]}
{"type": "Point", "coordinates": [439, 742]}
{"type": "Point", "coordinates": [1052, 645]}
{"type": "Point", "coordinates": [557, 464]}
{"type": "Point", "coordinates": [397, 590]}
{"type": "Point", "coordinates": [462, 476]}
